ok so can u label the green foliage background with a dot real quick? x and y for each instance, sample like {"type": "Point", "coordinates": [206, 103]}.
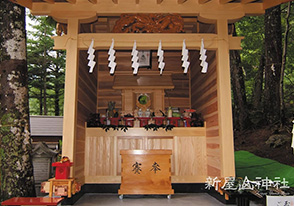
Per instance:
{"type": "Point", "coordinates": [46, 68]}
{"type": "Point", "coordinates": [252, 28]}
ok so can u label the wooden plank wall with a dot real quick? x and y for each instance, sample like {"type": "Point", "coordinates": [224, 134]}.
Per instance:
{"type": "Point", "coordinates": [87, 90]}
{"type": "Point", "coordinates": [177, 97]}
{"type": "Point", "coordinates": [204, 100]}
{"type": "Point", "coordinates": [188, 145]}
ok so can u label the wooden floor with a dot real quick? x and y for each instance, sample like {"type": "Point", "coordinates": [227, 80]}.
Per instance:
{"type": "Point", "coordinates": [178, 199]}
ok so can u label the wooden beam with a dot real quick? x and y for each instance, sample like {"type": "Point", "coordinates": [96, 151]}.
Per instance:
{"type": "Point", "coordinates": [224, 101]}
{"type": "Point", "coordinates": [224, 1]}
{"type": "Point", "coordinates": [203, 1]}
{"type": "Point", "coordinates": [108, 8]}
{"type": "Point", "coordinates": [246, 1]}
{"type": "Point", "coordinates": [210, 18]}
{"type": "Point", "coordinates": [93, 1]}
{"type": "Point", "coordinates": [84, 17]}
{"type": "Point", "coordinates": [181, 1]}
{"type": "Point", "coordinates": [50, 1]}
{"type": "Point", "coordinates": [71, 91]}
{"type": "Point", "coordinates": [115, 1]}
{"type": "Point", "coordinates": [24, 3]}
{"type": "Point", "coordinates": [159, 1]}
{"type": "Point", "coordinates": [235, 42]}
{"type": "Point", "coordinates": [146, 41]}
{"type": "Point", "coordinates": [71, 1]}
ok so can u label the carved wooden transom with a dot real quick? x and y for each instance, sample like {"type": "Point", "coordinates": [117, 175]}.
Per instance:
{"type": "Point", "coordinates": [149, 23]}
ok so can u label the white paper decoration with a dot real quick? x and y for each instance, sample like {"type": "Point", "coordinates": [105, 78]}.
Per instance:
{"type": "Point", "coordinates": [203, 57]}
{"type": "Point", "coordinates": [135, 58]}
{"type": "Point", "coordinates": [185, 56]}
{"type": "Point", "coordinates": [111, 58]}
{"type": "Point", "coordinates": [160, 52]}
{"type": "Point", "coordinates": [91, 56]}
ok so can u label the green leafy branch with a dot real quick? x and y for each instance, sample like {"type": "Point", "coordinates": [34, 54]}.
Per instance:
{"type": "Point", "coordinates": [155, 127]}
{"type": "Point", "coordinates": [114, 127]}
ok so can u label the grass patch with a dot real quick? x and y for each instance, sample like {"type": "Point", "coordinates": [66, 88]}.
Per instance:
{"type": "Point", "coordinates": [252, 166]}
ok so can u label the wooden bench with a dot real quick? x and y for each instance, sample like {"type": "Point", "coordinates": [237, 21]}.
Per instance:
{"type": "Point", "coordinates": [32, 201]}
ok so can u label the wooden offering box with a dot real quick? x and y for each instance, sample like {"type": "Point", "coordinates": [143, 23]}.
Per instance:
{"type": "Point", "coordinates": [145, 172]}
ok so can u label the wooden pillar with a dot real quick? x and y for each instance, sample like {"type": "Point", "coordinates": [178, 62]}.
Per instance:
{"type": "Point", "coordinates": [224, 100]}
{"type": "Point", "coordinates": [70, 93]}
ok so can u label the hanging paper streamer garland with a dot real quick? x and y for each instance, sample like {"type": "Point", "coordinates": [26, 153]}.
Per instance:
{"type": "Point", "coordinates": [203, 57]}
{"type": "Point", "coordinates": [185, 56]}
{"type": "Point", "coordinates": [135, 58]}
{"type": "Point", "coordinates": [91, 56]}
{"type": "Point", "coordinates": [160, 52]}
{"type": "Point", "coordinates": [111, 58]}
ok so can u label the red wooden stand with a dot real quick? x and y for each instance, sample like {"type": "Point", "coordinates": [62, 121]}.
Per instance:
{"type": "Point", "coordinates": [158, 120]}
{"type": "Point", "coordinates": [32, 201]}
{"type": "Point", "coordinates": [129, 121]}
{"type": "Point", "coordinates": [174, 121]}
{"type": "Point", "coordinates": [114, 120]}
{"type": "Point", "coordinates": [188, 121]}
{"type": "Point", "coordinates": [143, 121]}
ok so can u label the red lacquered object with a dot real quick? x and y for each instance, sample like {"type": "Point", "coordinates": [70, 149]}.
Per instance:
{"type": "Point", "coordinates": [174, 121]}
{"type": "Point", "coordinates": [188, 121]}
{"type": "Point", "coordinates": [32, 201]}
{"type": "Point", "coordinates": [102, 119]}
{"type": "Point", "coordinates": [62, 169]}
{"type": "Point", "coordinates": [158, 120]}
{"type": "Point", "coordinates": [143, 121]}
{"type": "Point", "coordinates": [129, 121]}
{"type": "Point", "coordinates": [114, 120]}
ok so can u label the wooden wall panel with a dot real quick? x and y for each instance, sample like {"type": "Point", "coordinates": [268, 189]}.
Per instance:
{"type": "Point", "coordinates": [100, 156]}
{"type": "Point", "coordinates": [204, 100]}
{"type": "Point", "coordinates": [103, 161]}
{"type": "Point", "coordinates": [191, 156]}
{"type": "Point", "coordinates": [177, 97]}
{"type": "Point", "coordinates": [127, 143]}
{"type": "Point", "coordinates": [162, 143]}
{"type": "Point", "coordinates": [87, 90]}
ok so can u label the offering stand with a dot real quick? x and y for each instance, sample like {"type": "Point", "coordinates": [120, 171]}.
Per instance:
{"type": "Point", "coordinates": [145, 172]}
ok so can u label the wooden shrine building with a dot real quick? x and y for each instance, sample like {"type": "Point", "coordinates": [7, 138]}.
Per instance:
{"type": "Point", "coordinates": [197, 152]}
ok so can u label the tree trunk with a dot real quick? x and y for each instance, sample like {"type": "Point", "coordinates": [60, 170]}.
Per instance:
{"type": "Point", "coordinates": [45, 76]}
{"type": "Point", "coordinates": [284, 57]}
{"type": "Point", "coordinates": [241, 118]}
{"type": "Point", "coordinates": [273, 60]}
{"type": "Point", "coordinates": [41, 102]}
{"type": "Point", "coordinates": [56, 101]}
{"type": "Point", "coordinates": [56, 89]}
{"type": "Point", "coordinates": [16, 167]}
{"type": "Point", "coordinates": [45, 93]}
{"type": "Point", "coordinates": [257, 93]}
{"type": "Point", "coordinates": [240, 108]}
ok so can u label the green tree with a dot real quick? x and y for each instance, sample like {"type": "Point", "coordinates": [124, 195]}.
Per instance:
{"type": "Point", "coordinates": [16, 169]}
{"type": "Point", "coordinates": [46, 69]}
{"type": "Point", "coordinates": [273, 61]}
{"type": "Point", "coordinates": [261, 55]}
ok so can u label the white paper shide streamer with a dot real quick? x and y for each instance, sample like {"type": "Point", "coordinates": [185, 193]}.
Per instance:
{"type": "Point", "coordinates": [160, 52]}
{"type": "Point", "coordinates": [91, 56]}
{"type": "Point", "coordinates": [203, 57]}
{"type": "Point", "coordinates": [185, 56]}
{"type": "Point", "coordinates": [111, 58]}
{"type": "Point", "coordinates": [135, 58]}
